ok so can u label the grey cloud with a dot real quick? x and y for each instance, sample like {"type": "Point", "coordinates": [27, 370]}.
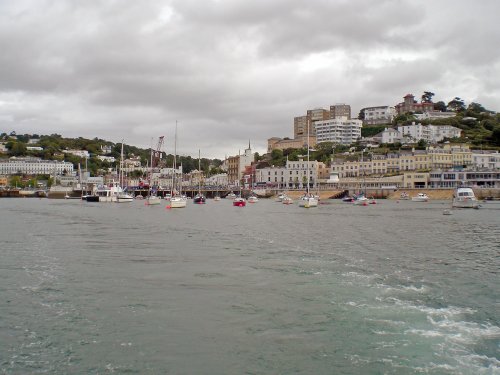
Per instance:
{"type": "Point", "coordinates": [230, 70]}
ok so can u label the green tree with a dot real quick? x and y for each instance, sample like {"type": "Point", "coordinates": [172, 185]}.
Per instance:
{"type": "Point", "coordinates": [427, 97]}
{"type": "Point", "coordinates": [456, 104]}
{"type": "Point", "coordinates": [440, 106]}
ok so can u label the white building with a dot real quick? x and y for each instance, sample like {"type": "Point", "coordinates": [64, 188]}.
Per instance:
{"type": "Point", "coordinates": [246, 159]}
{"type": "Point", "coordinates": [338, 130]}
{"type": "Point", "coordinates": [489, 160]}
{"type": "Point", "coordinates": [34, 148]}
{"type": "Point", "coordinates": [433, 115]}
{"type": "Point", "coordinates": [379, 115]}
{"type": "Point", "coordinates": [109, 159]}
{"type": "Point", "coordinates": [429, 133]}
{"type": "Point", "coordinates": [217, 180]}
{"type": "Point", "coordinates": [80, 153]}
{"type": "Point", "coordinates": [292, 175]}
{"type": "Point", "coordinates": [34, 166]}
{"type": "Point", "coordinates": [391, 135]}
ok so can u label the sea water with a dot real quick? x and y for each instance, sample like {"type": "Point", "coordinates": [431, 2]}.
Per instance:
{"type": "Point", "coordinates": [391, 288]}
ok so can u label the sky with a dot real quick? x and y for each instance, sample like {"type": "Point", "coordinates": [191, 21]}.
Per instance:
{"type": "Point", "coordinates": [230, 71]}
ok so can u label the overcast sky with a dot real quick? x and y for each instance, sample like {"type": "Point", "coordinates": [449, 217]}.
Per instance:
{"type": "Point", "coordinates": [232, 70]}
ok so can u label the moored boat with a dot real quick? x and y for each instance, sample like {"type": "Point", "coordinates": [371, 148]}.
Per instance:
{"type": "Point", "coordinates": [420, 197]}
{"type": "Point", "coordinates": [253, 199]}
{"type": "Point", "coordinates": [287, 200]}
{"type": "Point", "coordinates": [464, 198]}
{"type": "Point", "coordinates": [239, 202]}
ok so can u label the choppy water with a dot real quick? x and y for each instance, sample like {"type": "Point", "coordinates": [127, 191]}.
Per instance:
{"type": "Point", "coordinates": [395, 288]}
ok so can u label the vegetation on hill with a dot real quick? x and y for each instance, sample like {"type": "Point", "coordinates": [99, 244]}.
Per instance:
{"type": "Point", "coordinates": [54, 147]}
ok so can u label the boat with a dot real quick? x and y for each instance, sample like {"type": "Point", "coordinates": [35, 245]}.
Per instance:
{"type": "Point", "coordinates": [121, 196]}
{"type": "Point", "coordinates": [287, 200]}
{"type": "Point", "coordinates": [217, 198]}
{"type": "Point", "coordinates": [464, 198]}
{"type": "Point", "coordinates": [231, 195]}
{"type": "Point", "coordinates": [177, 200]}
{"type": "Point", "coordinates": [153, 199]}
{"type": "Point", "coordinates": [239, 202]}
{"type": "Point", "coordinates": [308, 200]}
{"type": "Point", "coordinates": [253, 199]}
{"type": "Point", "coordinates": [280, 197]}
{"type": "Point", "coordinates": [421, 197]}
{"type": "Point", "coordinates": [124, 197]}
{"type": "Point", "coordinates": [404, 196]}
{"type": "Point", "coordinates": [199, 197]}
{"type": "Point", "coordinates": [348, 199]}
{"type": "Point", "coordinates": [361, 200]}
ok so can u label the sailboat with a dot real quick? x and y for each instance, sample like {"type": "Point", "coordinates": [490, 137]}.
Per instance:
{"type": "Point", "coordinates": [361, 199]}
{"type": "Point", "coordinates": [121, 195]}
{"type": "Point", "coordinates": [153, 199]}
{"type": "Point", "coordinates": [176, 200]}
{"type": "Point", "coordinates": [199, 198]}
{"type": "Point", "coordinates": [308, 200]}
{"type": "Point", "coordinates": [239, 201]}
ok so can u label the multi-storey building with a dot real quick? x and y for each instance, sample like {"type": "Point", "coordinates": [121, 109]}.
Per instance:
{"type": "Point", "coordinates": [276, 143]}
{"type": "Point", "coordinates": [293, 174]}
{"type": "Point", "coordinates": [446, 157]}
{"type": "Point", "coordinates": [34, 166]}
{"type": "Point", "coordinates": [300, 126]}
{"type": "Point", "coordinates": [236, 165]}
{"type": "Point", "coordinates": [486, 159]}
{"type": "Point", "coordinates": [340, 110]}
{"type": "Point", "coordinates": [338, 130]}
{"type": "Point", "coordinates": [409, 104]}
{"type": "Point", "coordinates": [429, 133]}
{"type": "Point", "coordinates": [378, 115]}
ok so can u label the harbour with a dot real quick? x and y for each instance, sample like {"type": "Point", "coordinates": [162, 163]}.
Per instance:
{"type": "Point", "coordinates": [269, 288]}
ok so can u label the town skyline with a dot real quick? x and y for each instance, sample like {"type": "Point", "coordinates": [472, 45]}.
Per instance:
{"type": "Point", "coordinates": [229, 72]}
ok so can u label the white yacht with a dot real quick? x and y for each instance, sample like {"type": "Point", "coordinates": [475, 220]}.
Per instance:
{"type": "Point", "coordinates": [421, 197]}
{"type": "Point", "coordinates": [280, 197]}
{"type": "Point", "coordinates": [464, 198]}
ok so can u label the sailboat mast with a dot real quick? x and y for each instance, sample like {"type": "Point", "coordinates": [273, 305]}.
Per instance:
{"type": "Point", "coordinates": [307, 177]}
{"type": "Point", "coordinates": [175, 159]}
{"type": "Point", "coordinates": [199, 174]}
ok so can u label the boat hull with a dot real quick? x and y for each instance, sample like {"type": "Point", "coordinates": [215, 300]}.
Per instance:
{"type": "Point", "coordinates": [239, 202]}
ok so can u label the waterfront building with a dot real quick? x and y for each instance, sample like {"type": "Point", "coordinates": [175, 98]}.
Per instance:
{"type": "Point", "coordinates": [341, 130]}
{"type": "Point", "coordinates": [409, 104]}
{"type": "Point", "coordinates": [465, 178]}
{"type": "Point", "coordinates": [236, 165]}
{"type": "Point", "coordinates": [217, 180]}
{"type": "Point", "coordinates": [293, 174]}
{"type": "Point", "coordinates": [444, 157]}
{"type": "Point", "coordinates": [34, 166]}
{"type": "Point", "coordinates": [486, 159]}
{"type": "Point", "coordinates": [378, 115]}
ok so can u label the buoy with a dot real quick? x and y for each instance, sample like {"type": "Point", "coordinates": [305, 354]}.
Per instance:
{"type": "Point", "coordinates": [168, 207]}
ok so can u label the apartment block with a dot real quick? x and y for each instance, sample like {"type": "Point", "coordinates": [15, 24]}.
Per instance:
{"type": "Point", "coordinates": [341, 130]}
{"type": "Point", "coordinates": [340, 110]}
{"type": "Point", "coordinates": [378, 115]}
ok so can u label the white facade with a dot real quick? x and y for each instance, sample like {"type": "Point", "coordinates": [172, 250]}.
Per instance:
{"type": "Point", "coordinates": [294, 174]}
{"type": "Point", "coordinates": [429, 133]}
{"type": "Point", "coordinates": [379, 115]}
{"type": "Point", "coordinates": [338, 130]}
{"type": "Point", "coordinates": [34, 148]}
{"type": "Point", "coordinates": [34, 166]}
{"type": "Point", "coordinates": [80, 153]}
{"type": "Point", "coordinates": [486, 159]}
{"type": "Point", "coordinates": [433, 115]}
{"type": "Point", "coordinates": [217, 180]}
{"type": "Point", "coordinates": [109, 159]}
{"type": "Point", "coordinates": [390, 135]}
{"type": "Point", "coordinates": [246, 159]}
